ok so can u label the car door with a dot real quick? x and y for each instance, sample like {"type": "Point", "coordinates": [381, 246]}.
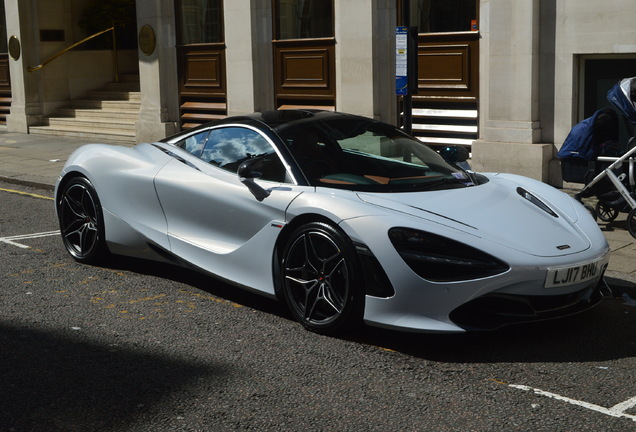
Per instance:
{"type": "Point", "coordinates": [214, 220]}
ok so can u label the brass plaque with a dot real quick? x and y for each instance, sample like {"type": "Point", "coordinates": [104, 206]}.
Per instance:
{"type": "Point", "coordinates": [14, 47]}
{"type": "Point", "coordinates": [147, 40]}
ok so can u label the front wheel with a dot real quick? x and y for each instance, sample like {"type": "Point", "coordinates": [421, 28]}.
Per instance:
{"type": "Point", "coordinates": [81, 221]}
{"type": "Point", "coordinates": [605, 212]}
{"type": "Point", "coordinates": [320, 278]}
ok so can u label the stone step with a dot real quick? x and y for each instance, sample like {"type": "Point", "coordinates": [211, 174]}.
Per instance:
{"type": "Point", "coordinates": [112, 95]}
{"type": "Point", "coordinates": [107, 114]}
{"type": "Point", "coordinates": [93, 123]}
{"type": "Point", "coordinates": [123, 86]}
{"type": "Point", "coordinates": [89, 134]}
{"type": "Point", "coordinates": [127, 78]}
{"type": "Point", "coordinates": [98, 113]}
{"type": "Point", "coordinates": [106, 104]}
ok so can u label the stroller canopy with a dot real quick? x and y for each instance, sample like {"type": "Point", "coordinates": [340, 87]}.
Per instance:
{"type": "Point", "coordinates": [586, 139]}
{"type": "Point", "coordinates": [623, 97]}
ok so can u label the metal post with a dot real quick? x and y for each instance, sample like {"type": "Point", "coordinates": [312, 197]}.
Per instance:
{"type": "Point", "coordinates": [115, 59]}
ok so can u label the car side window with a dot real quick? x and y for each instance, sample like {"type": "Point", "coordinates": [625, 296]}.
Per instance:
{"type": "Point", "coordinates": [194, 143]}
{"type": "Point", "coordinates": [228, 147]}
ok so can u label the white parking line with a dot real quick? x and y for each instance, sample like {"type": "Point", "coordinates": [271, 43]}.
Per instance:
{"type": "Point", "coordinates": [11, 240]}
{"type": "Point", "coordinates": [617, 410]}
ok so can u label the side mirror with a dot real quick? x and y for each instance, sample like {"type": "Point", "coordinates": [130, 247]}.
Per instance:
{"type": "Point", "coordinates": [454, 154]}
{"type": "Point", "coordinates": [250, 167]}
{"type": "Point", "coordinates": [247, 172]}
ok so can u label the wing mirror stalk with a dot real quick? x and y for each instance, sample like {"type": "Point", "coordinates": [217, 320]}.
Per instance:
{"type": "Point", "coordinates": [247, 172]}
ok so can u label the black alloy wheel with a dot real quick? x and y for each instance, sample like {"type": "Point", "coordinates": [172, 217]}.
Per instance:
{"type": "Point", "coordinates": [81, 221]}
{"type": "Point", "coordinates": [320, 274]}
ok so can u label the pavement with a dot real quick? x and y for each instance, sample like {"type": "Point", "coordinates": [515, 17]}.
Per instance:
{"type": "Point", "coordinates": [36, 161]}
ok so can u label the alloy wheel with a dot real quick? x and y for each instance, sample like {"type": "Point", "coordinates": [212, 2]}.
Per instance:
{"type": "Point", "coordinates": [318, 278]}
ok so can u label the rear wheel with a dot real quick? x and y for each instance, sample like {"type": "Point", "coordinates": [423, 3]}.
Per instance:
{"type": "Point", "coordinates": [320, 275]}
{"type": "Point", "coordinates": [81, 221]}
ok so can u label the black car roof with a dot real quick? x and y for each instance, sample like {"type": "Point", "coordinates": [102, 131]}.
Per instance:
{"type": "Point", "coordinates": [274, 119]}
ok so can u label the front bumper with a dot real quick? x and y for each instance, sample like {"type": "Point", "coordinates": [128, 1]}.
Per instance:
{"type": "Point", "coordinates": [496, 310]}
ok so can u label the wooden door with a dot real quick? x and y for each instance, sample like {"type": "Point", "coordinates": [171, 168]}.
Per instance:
{"type": "Point", "coordinates": [304, 54]}
{"type": "Point", "coordinates": [445, 108]}
{"type": "Point", "coordinates": [5, 79]}
{"type": "Point", "coordinates": [201, 61]}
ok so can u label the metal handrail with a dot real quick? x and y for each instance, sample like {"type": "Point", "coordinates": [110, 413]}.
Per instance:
{"type": "Point", "coordinates": [76, 44]}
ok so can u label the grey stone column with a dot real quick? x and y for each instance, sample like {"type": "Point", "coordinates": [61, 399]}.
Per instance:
{"type": "Point", "coordinates": [249, 62]}
{"type": "Point", "coordinates": [22, 24]}
{"type": "Point", "coordinates": [159, 114]}
{"type": "Point", "coordinates": [510, 130]}
{"type": "Point", "coordinates": [365, 58]}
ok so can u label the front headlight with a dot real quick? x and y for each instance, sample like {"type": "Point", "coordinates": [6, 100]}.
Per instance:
{"type": "Point", "coordinates": [440, 259]}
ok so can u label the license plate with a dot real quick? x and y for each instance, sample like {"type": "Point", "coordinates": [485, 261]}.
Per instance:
{"type": "Point", "coordinates": [570, 275]}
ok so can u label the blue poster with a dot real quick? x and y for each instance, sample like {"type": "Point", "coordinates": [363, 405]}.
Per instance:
{"type": "Point", "coordinates": [401, 55]}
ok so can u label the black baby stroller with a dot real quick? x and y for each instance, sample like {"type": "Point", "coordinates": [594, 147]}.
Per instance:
{"type": "Point", "coordinates": [591, 154]}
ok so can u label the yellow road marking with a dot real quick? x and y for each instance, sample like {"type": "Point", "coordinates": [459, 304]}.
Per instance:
{"type": "Point", "coordinates": [26, 193]}
{"type": "Point", "coordinates": [146, 299]}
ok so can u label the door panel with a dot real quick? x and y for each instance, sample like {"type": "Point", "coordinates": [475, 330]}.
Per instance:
{"type": "Point", "coordinates": [215, 223]}
{"type": "Point", "coordinates": [304, 72]}
{"type": "Point", "coordinates": [448, 67]}
{"type": "Point", "coordinates": [203, 71]}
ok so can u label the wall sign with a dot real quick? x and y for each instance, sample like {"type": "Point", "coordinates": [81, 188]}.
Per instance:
{"type": "Point", "coordinates": [14, 47]}
{"type": "Point", "coordinates": [147, 40]}
{"type": "Point", "coordinates": [401, 60]}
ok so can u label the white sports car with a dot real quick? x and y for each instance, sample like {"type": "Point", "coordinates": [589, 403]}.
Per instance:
{"type": "Point", "coordinates": [343, 218]}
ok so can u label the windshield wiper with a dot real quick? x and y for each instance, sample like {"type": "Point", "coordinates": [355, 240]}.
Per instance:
{"type": "Point", "coordinates": [446, 181]}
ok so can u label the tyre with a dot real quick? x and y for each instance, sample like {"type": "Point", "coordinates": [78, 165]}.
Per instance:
{"type": "Point", "coordinates": [81, 221]}
{"type": "Point", "coordinates": [320, 279]}
{"type": "Point", "coordinates": [605, 212]}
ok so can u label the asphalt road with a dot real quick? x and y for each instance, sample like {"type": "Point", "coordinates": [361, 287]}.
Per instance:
{"type": "Point", "coordinates": [137, 346]}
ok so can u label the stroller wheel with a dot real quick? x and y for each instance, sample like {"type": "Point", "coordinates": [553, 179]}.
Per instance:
{"type": "Point", "coordinates": [631, 222]}
{"type": "Point", "coordinates": [605, 212]}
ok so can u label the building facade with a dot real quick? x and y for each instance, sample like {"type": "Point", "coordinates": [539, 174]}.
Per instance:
{"type": "Point", "coordinates": [508, 79]}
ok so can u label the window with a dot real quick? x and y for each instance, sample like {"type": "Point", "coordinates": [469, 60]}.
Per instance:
{"type": "Point", "coordinates": [194, 143]}
{"type": "Point", "coordinates": [440, 16]}
{"type": "Point", "coordinates": [228, 147]}
{"type": "Point", "coordinates": [303, 19]}
{"type": "Point", "coordinates": [367, 156]}
{"type": "Point", "coordinates": [201, 21]}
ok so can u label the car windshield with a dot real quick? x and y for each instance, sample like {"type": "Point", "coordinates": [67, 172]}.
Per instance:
{"type": "Point", "coordinates": [365, 155]}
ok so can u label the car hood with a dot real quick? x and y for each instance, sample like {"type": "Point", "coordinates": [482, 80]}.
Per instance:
{"type": "Point", "coordinates": [497, 212]}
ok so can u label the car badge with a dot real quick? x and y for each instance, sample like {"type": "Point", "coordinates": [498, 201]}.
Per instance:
{"type": "Point", "coordinates": [563, 247]}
